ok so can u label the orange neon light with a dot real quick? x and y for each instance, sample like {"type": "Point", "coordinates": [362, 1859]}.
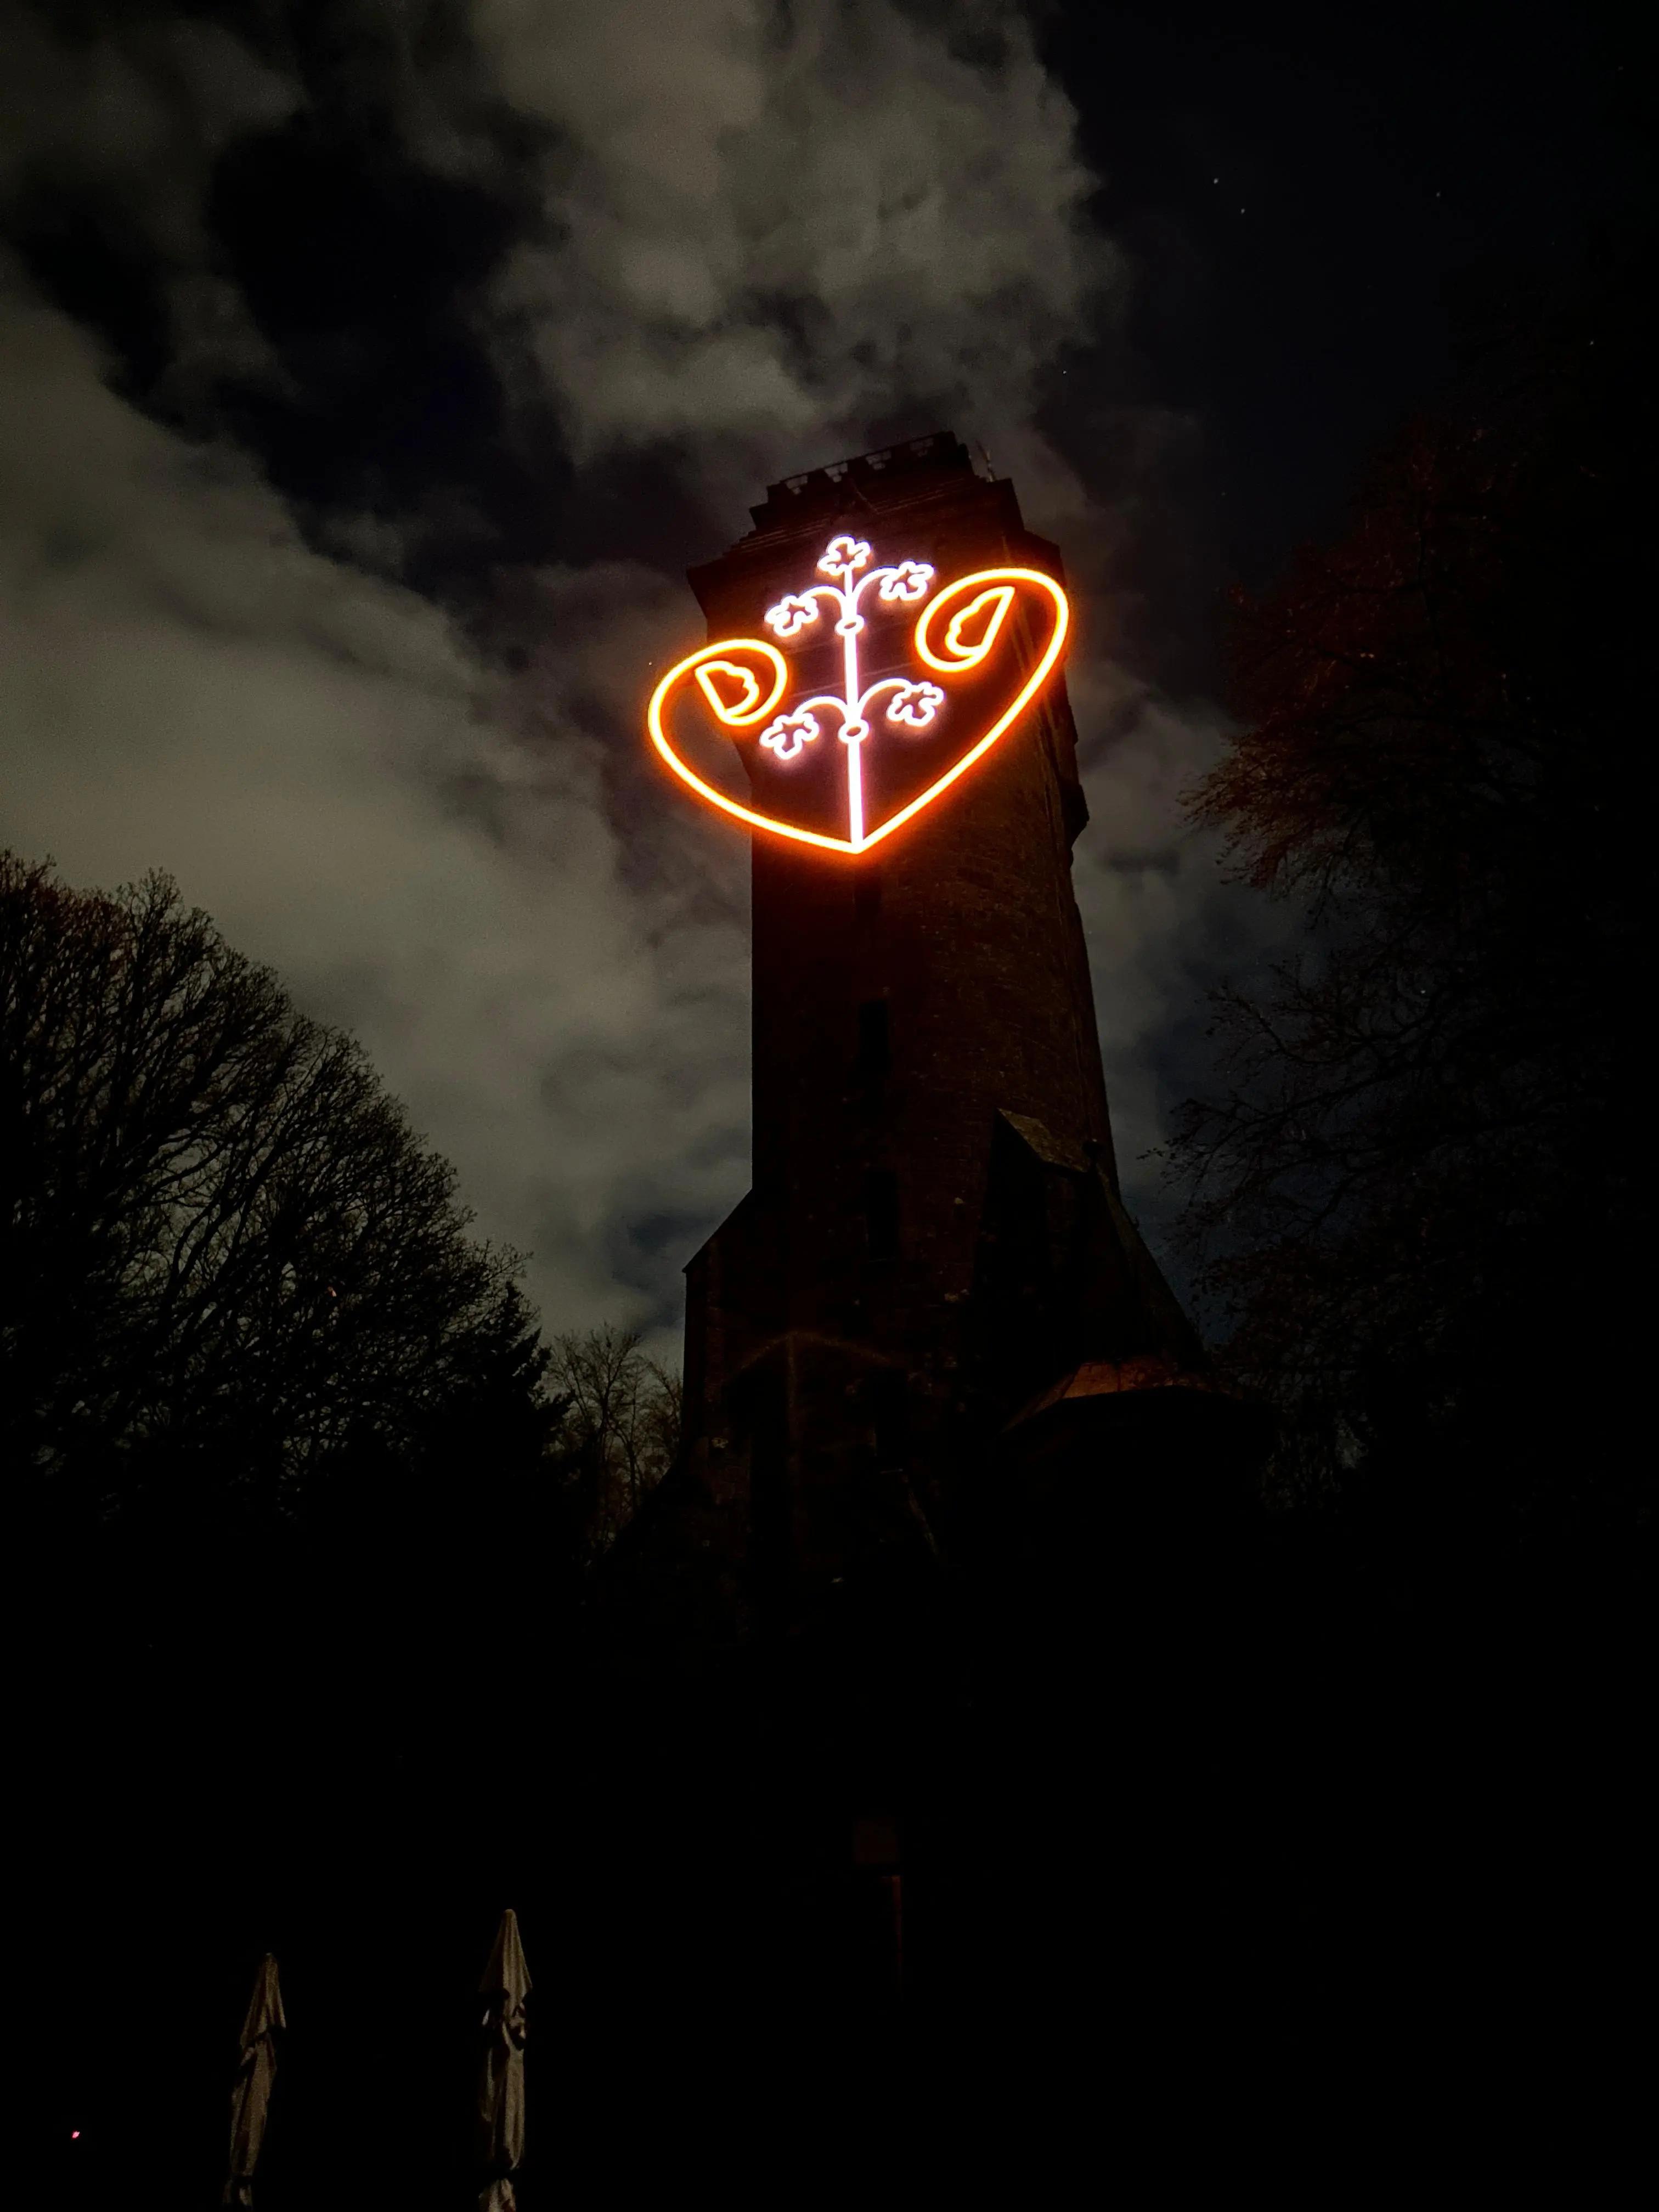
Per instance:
{"type": "Point", "coordinates": [993, 604]}
{"type": "Point", "coordinates": [742, 680]}
{"type": "Point", "coordinates": [712, 663]}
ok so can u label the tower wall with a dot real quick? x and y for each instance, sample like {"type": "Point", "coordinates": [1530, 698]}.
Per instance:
{"type": "Point", "coordinates": [930, 1336]}
{"type": "Point", "coordinates": [844, 1368]}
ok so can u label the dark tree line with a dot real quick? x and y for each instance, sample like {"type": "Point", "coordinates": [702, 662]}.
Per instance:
{"type": "Point", "coordinates": [622, 1426]}
{"type": "Point", "coordinates": [303, 1505]}
{"type": "Point", "coordinates": [1424, 1200]}
{"type": "Point", "coordinates": [1419, 1202]}
{"type": "Point", "coordinates": [222, 1247]}
{"type": "Point", "coordinates": [233, 1281]}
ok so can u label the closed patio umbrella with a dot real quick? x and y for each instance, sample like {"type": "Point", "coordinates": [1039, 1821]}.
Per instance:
{"type": "Point", "coordinates": [250, 2100]}
{"type": "Point", "coordinates": [506, 1985]}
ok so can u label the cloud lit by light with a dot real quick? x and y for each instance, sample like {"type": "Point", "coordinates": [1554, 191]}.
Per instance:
{"type": "Point", "coordinates": [739, 247]}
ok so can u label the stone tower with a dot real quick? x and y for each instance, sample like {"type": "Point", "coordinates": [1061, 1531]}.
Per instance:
{"type": "Point", "coordinates": [932, 1290]}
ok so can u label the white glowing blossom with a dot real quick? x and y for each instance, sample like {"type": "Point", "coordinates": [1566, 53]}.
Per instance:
{"type": "Point", "coordinates": [790, 732]}
{"type": "Point", "coordinates": [791, 613]}
{"type": "Point", "coordinates": [908, 583]}
{"type": "Point", "coordinates": [916, 704]}
{"type": "Point", "coordinates": [848, 553]}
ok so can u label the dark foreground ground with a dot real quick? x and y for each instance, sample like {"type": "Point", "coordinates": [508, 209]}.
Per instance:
{"type": "Point", "coordinates": [1298, 1852]}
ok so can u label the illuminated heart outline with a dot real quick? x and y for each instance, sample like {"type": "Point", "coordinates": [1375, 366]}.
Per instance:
{"type": "Point", "coordinates": [987, 580]}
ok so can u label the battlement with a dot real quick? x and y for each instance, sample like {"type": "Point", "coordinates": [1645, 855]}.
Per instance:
{"type": "Point", "coordinates": [874, 478]}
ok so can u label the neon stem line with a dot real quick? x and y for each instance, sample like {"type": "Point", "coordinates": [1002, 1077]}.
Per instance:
{"type": "Point", "coordinates": [855, 793]}
{"type": "Point", "coordinates": [852, 722]}
{"type": "Point", "coordinates": [905, 584]}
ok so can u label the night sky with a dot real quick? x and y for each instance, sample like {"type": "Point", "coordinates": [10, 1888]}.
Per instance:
{"type": "Point", "coordinates": [371, 370]}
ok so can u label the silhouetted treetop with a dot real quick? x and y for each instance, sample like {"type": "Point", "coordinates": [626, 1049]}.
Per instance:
{"type": "Point", "coordinates": [221, 1247]}
{"type": "Point", "coordinates": [1420, 1195]}
{"type": "Point", "coordinates": [622, 1426]}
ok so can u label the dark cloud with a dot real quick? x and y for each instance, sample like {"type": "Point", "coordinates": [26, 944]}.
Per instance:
{"type": "Point", "coordinates": [338, 536]}
{"type": "Point", "coordinates": [762, 233]}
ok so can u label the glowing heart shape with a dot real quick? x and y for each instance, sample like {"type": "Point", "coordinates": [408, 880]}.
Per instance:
{"type": "Point", "coordinates": [931, 733]}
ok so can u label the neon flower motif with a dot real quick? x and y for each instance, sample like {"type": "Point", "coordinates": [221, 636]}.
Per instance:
{"type": "Point", "coordinates": [791, 613]}
{"type": "Point", "coordinates": [844, 556]}
{"type": "Point", "coordinates": [916, 704]}
{"type": "Point", "coordinates": [957, 629]}
{"type": "Point", "coordinates": [906, 583]}
{"type": "Point", "coordinates": [790, 732]}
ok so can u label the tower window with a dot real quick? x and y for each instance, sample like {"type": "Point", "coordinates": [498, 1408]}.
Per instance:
{"type": "Point", "coordinates": [875, 1049]}
{"type": "Point", "coordinates": [881, 1213]}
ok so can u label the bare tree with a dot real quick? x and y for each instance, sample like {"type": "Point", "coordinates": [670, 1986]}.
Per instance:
{"type": "Point", "coordinates": [623, 1420]}
{"type": "Point", "coordinates": [221, 1247]}
{"type": "Point", "coordinates": [1423, 1196]}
